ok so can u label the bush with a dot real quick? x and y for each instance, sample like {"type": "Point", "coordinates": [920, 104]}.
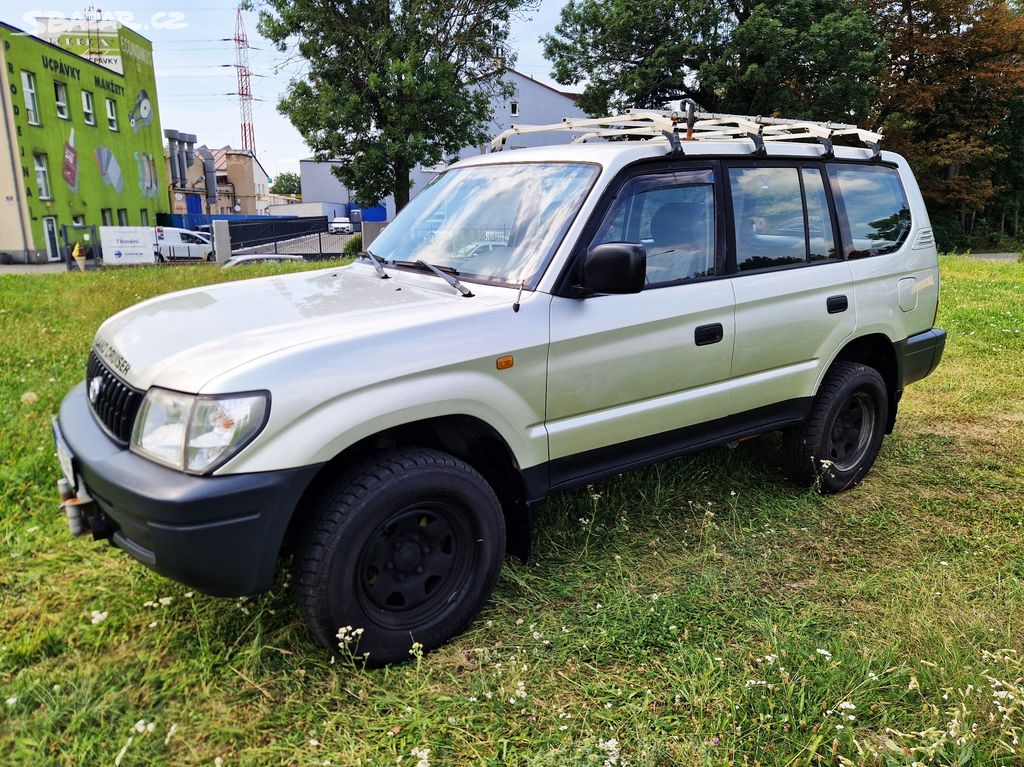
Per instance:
{"type": "Point", "coordinates": [354, 246]}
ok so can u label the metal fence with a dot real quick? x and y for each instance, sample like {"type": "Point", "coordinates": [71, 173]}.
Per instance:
{"type": "Point", "coordinates": [307, 237]}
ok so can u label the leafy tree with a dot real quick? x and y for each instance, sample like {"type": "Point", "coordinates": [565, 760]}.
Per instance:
{"type": "Point", "coordinates": [287, 182]}
{"type": "Point", "coordinates": [809, 58]}
{"type": "Point", "coordinates": [952, 81]}
{"type": "Point", "coordinates": [391, 84]}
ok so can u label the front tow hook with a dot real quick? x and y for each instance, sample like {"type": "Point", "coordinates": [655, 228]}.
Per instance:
{"type": "Point", "coordinates": [81, 512]}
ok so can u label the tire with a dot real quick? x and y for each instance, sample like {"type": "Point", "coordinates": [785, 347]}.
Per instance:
{"type": "Point", "coordinates": [836, 445]}
{"type": "Point", "coordinates": [406, 546]}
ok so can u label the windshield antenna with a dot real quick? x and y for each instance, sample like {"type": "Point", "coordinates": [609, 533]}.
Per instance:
{"type": "Point", "coordinates": [519, 295]}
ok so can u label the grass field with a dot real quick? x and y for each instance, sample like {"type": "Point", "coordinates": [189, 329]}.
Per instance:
{"type": "Point", "coordinates": [702, 612]}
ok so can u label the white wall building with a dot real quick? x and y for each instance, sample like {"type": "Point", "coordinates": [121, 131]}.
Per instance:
{"type": "Point", "coordinates": [532, 103]}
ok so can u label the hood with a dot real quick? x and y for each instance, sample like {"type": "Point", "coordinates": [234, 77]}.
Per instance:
{"type": "Point", "coordinates": [184, 340]}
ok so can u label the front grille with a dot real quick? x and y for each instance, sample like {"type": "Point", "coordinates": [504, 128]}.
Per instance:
{"type": "Point", "coordinates": [116, 403]}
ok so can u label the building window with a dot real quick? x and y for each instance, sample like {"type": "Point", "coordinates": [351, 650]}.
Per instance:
{"type": "Point", "coordinates": [144, 217]}
{"type": "Point", "coordinates": [112, 114]}
{"type": "Point", "coordinates": [108, 216]}
{"type": "Point", "coordinates": [60, 97]}
{"type": "Point", "coordinates": [42, 176]}
{"type": "Point", "coordinates": [78, 220]}
{"type": "Point", "coordinates": [87, 108]}
{"type": "Point", "coordinates": [122, 217]}
{"type": "Point", "coordinates": [514, 109]}
{"type": "Point", "coordinates": [28, 85]}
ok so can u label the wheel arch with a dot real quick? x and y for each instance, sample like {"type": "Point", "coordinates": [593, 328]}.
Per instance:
{"type": "Point", "coordinates": [876, 351]}
{"type": "Point", "coordinates": [464, 436]}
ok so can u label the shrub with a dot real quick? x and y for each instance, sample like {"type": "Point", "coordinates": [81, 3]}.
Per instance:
{"type": "Point", "coordinates": [354, 246]}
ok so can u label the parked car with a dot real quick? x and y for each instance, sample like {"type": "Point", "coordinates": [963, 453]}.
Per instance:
{"type": "Point", "coordinates": [255, 259]}
{"type": "Point", "coordinates": [340, 226]}
{"type": "Point", "coordinates": [173, 244]}
{"type": "Point", "coordinates": [392, 424]}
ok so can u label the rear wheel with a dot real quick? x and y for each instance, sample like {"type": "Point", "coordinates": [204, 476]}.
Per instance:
{"type": "Point", "coordinates": [836, 445]}
{"type": "Point", "coordinates": [407, 547]}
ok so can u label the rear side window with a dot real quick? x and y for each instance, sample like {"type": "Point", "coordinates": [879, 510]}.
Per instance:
{"type": "Point", "coordinates": [872, 207]}
{"type": "Point", "coordinates": [781, 216]}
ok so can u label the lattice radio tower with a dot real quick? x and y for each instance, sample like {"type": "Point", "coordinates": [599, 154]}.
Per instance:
{"type": "Point", "coordinates": [244, 85]}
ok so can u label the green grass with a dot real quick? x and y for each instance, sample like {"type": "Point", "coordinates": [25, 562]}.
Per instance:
{"type": "Point", "coordinates": [704, 611]}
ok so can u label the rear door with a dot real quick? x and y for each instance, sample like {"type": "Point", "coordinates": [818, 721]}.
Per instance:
{"type": "Point", "coordinates": [628, 373]}
{"type": "Point", "coordinates": [794, 292]}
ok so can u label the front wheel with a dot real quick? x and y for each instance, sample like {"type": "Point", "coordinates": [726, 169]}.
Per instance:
{"type": "Point", "coordinates": [406, 546]}
{"type": "Point", "coordinates": [836, 445]}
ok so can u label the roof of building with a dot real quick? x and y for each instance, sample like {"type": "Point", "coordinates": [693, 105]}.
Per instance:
{"type": "Point", "coordinates": [567, 94]}
{"type": "Point", "coordinates": [220, 157]}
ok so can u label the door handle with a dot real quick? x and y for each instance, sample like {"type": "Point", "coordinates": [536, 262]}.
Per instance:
{"type": "Point", "coordinates": [708, 334]}
{"type": "Point", "coordinates": [837, 304]}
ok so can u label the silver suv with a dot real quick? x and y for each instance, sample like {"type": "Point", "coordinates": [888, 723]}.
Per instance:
{"type": "Point", "coordinates": [393, 423]}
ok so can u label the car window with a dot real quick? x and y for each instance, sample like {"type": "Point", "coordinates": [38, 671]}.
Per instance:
{"type": "Point", "coordinates": [822, 242]}
{"type": "Point", "coordinates": [780, 216]}
{"type": "Point", "coordinates": [496, 223]}
{"type": "Point", "coordinates": [672, 215]}
{"type": "Point", "coordinates": [872, 207]}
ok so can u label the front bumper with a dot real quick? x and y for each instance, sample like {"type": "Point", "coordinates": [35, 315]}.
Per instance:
{"type": "Point", "coordinates": [221, 535]}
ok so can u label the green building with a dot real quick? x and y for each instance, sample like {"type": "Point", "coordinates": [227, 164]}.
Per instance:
{"type": "Point", "coordinates": [80, 141]}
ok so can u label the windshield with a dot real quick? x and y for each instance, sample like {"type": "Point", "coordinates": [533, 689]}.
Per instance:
{"type": "Point", "coordinates": [497, 223]}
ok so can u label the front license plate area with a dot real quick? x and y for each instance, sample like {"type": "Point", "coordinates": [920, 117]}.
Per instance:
{"type": "Point", "coordinates": [64, 456]}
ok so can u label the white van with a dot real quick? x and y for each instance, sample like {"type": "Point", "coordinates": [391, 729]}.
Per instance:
{"type": "Point", "coordinates": [173, 244]}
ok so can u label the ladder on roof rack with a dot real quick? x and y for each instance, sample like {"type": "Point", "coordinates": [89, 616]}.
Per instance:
{"type": "Point", "coordinates": [699, 126]}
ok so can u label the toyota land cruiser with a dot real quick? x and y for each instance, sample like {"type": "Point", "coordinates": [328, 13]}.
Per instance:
{"type": "Point", "coordinates": [395, 420]}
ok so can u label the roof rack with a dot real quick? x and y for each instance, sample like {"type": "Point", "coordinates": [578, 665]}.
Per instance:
{"type": "Point", "coordinates": [700, 126]}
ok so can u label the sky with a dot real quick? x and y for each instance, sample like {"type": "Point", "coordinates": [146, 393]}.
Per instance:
{"type": "Point", "coordinates": [194, 55]}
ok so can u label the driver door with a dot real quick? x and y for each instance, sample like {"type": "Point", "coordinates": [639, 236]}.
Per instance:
{"type": "Point", "coordinates": [630, 377]}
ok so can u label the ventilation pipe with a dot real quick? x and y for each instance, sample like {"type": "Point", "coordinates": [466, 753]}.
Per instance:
{"type": "Point", "coordinates": [210, 172]}
{"type": "Point", "coordinates": [172, 156]}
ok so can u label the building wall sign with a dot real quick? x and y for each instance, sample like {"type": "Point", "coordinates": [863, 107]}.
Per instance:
{"type": "Point", "coordinates": [98, 41]}
{"type": "Point", "coordinates": [62, 69]}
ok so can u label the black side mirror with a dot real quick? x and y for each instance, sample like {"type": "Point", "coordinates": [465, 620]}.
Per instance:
{"type": "Point", "coordinates": [615, 267]}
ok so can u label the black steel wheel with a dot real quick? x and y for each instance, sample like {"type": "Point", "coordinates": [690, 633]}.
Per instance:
{"type": "Point", "coordinates": [406, 547]}
{"type": "Point", "coordinates": [836, 445]}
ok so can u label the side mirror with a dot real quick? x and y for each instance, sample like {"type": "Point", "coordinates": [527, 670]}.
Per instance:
{"type": "Point", "coordinates": [615, 267]}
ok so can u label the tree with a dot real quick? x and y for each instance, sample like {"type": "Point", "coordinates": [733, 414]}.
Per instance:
{"type": "Point", "coordinates": [391, 84]}
{"type": "Point", "coordinates": [952, 81]}
{"type": "Point", "coordinates": [803, 58]}
{"type": "Point", "coordinates": [287, 182]}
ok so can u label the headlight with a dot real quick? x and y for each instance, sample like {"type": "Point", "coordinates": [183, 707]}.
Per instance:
{"type": "Point", "coordinates": [197, 433]}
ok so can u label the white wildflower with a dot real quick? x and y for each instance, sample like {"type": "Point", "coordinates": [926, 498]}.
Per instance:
{"type": "Point", "coordinates": [422, 757]}
{"type": "Point", "coordinates": [123, 751]}
{"type": "Point", "coordinates": [846, 706]}
{"type": "Point", "coordinates": [98, 616]}
{"type": "Point", "coordinates": [12, 700]}
{"type": "Point", "coordinates": [824, 653]}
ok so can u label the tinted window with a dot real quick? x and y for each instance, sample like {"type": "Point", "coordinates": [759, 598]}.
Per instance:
{"type": "Point", "coordinates": [873, 208]}
{"type": "Point", "coordinates": [673, 216]}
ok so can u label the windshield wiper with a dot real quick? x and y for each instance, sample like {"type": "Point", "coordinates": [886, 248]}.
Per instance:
{"type": "Point", "coordinates": [377, 264]}
{"type": "Point", "coordinates": [445, 273]}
